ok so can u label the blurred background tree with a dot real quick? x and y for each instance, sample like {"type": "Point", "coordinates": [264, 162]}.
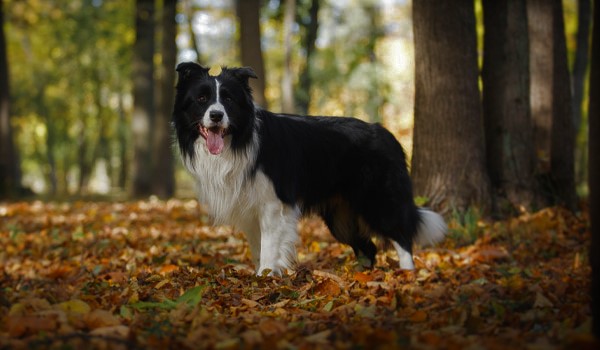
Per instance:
{"type": "Point", "coordinates": [86, 119]}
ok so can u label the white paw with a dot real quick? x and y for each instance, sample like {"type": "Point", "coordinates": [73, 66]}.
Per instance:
{"type": "Point", "coordinates": [271, 272]}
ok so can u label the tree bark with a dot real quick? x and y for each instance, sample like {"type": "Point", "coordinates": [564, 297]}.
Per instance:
{"type": "Point", "coordinates": [539, 20]}
{"type": "Point", "coordinates": [594, 171]}
{"type": "Point", "coordinates": [287, 81]}
{"type": "Point", "coordinates": [143, 92]}
{"type": "Point", "coordinates": [581, 58]}
{"type": "Point", "coordinates": [578, 76]}
{"type": "Point", "coordinates": [310, 37]}
{"type": "Point", "coordinates": [562, 147]}
{"type": "Point", "coordinates": [10, 172]}
{"type": "Point", "coordinates": [448, 164]}
{"type": "Point", "coordinates": [248, 12]}
{"type": "Point", "coordinates": [551, 102]}
{"type": "Point", "coordinates": [164, 168]}
{"type": "Point", "coordinates": [189, 13]}
{"type": "Point", "coordinates": [506, 110]}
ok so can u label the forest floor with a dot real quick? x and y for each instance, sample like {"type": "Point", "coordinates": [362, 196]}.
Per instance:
{"type": "Point", "coordinates": [153, 274]}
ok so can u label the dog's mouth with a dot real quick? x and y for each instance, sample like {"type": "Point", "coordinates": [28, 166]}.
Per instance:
{"type": "Point", "coordinates": [214, 137]}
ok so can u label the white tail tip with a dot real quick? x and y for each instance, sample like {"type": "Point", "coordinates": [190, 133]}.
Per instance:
{"type": "Point", "coordinates": [432, 229]}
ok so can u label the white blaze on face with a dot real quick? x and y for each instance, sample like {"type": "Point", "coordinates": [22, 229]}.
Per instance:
{"type": "Point", "coordinates": [214, 131]}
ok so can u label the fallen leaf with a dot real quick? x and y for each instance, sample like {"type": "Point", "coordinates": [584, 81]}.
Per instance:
{"type": "Point", "coordinates": [99, 319]}
{"type": "Point", "coordinates": [19, 326]}
{"type": "Point", "coordinates": [328, 287]}
{"type": "Point", "coordinates": [270, 327]}
{"type": "Point", "coordinates": [74, 306]}
{"type": "Point", "coordinates": [541, 301]}
{"type": "Point", "coordinates": [319, 338]}
{"type": "Point", "coordinates": [119, 331]}
{"type": "Point", "coordinates": [418, 316]}
{"type": "Point", "coordinates": [168, 269]}
{"type": "Point", "coordinates": [362, 277]}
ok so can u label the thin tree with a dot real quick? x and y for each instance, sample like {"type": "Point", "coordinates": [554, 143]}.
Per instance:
{"type": "Point", "coordinates": [539, 20]}
{"type": "Point", "coordinates": [448, 164]}
{"type": "Point", "coordinates": [10, 172]}
{"type": "Point", "coordinates": [311, 28]}
{"type": "Point", "coordinates": [506, 109]}
{"type": "Point", "coordinates": [580, 64]}
{"type": "Point", "coordinates": [163, 182]}
{"type": "Point", "coordinates": [287, 81]}
{"type": "Point", "coordinates": [578, 73]}
{"type": "Point", "coordinates": [562, 145]}
{"type": "Point", "coordinates": [248, 12]}
{"type": "Point", "coordinates": [551, 102]}
{"type": "Point", "coordinates": [594, 171]}
{"type": "Point", "coordinates": [143, 101]}
{"type": "Point", "coordinates": [188, 9]}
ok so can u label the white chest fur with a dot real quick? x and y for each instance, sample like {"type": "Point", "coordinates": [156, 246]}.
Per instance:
{"type": "Point", "coordinates": [223, 181]}
{"type": "Point", "coordinates": [234, 197]}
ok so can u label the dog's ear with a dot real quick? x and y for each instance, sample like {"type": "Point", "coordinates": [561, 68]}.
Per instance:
{"type": "Point", "coordinates": [187, 70]}
{"type": "Point", "coordinates": [242, 74]}
{"type": "Point", "coordinates": [245, 73]}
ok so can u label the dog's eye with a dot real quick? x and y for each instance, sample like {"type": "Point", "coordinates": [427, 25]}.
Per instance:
{"type": "Point", "coordinates": [202, 98]}
{"type": "Point", "coordinates": [226, 96]}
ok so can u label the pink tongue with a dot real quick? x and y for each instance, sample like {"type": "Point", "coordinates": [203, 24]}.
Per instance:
{"type": "Point", "coordinates": [214, 142]}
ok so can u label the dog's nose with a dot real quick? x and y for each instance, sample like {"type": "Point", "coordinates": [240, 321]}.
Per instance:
{"type": "Point", "coordinates": [215, 116]}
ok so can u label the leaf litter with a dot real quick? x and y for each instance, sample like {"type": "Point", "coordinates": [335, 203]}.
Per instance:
{"type": "Point", "coordinates": [153, 274]}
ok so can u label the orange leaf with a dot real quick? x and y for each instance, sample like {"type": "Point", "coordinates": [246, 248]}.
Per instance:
{"type": "Point", "coordinates": [168, 268]}
{"type": "Point", "coordinates": [23, 325]}
{"type": "Point", "coordinates": [270, 327]}
{"type": "Point", "coordinates": [362, 277]}
{"type": "Point", "coordinates": [100, 318]}
{"type": "Point", "coordinates": [419, 316]}
{"type": "Point", "coordinates": [328, 288]}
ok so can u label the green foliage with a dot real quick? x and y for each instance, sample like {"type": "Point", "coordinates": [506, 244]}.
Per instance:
{"type": "Point", "coordinates": [190, 298]}
{"type": "Point", "coordinates": [69, 65]}
{"type": "Point", "coordinates": [465, 226]}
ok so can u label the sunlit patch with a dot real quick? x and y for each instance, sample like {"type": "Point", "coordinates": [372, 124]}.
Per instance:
{"type": "Point", "coordinates": [214, 71]}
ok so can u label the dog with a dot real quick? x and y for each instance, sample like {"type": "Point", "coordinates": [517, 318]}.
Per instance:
{"type": "Point", "coordinates": [261, 171]}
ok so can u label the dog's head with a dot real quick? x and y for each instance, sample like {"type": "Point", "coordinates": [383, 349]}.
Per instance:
{"type": "Point", "coordinates": [217, 110]}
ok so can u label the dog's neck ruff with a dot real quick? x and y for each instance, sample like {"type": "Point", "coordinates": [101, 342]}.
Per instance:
{"type": "Point", "coordinates": [222, 180]}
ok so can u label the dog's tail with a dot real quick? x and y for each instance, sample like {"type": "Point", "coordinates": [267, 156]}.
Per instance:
{"type": "Point", "coordinates": [431, 228]}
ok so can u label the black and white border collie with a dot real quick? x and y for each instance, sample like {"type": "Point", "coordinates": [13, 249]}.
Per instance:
{"type": "Point", "coordinates": [261, 171]}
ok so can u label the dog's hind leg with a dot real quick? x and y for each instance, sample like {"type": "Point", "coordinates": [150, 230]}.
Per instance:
{"type": "Point", "coordinates": [405, 256]}
{"type": "Point", "coordinates": [345, 226]}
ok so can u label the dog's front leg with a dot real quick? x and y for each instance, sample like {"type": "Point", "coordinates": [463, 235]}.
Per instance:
{"type": "Point", "coordinates": [252, 231]}
{"type": "Point", "coordinates": [278, 237]}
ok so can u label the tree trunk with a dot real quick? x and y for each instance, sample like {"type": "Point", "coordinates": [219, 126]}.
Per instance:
{"type": "Point", "coordinates": [539, 20]}
{"type": "Point", "coordinates": [578, 80]}
{"type": "Point", "coordinates": [143, 101]}
{"type": "Point", "coordinates": [248, 12]}
{"type": "Point", "coordinates": [562, 147]}
{"type": "Point", "coordinates": [448, 164]}
{"type": "Point", "coordinates": [594, 171]}
{"type": "Point", "coordinates": [122, 128]}
{"type": "Point", "coordinates": [10, 172]}
{"type": "Point", "coordinates": [551, 102]}
{"type": "Point", "coordinates": [287, 81]}
{"type": "Point", "coordinates": [189, 13]}
{"type": "Point", "coordinates": [376, 99]}
{"type": "Point", "coordinates": [581, 58]}
{"type": "Point", "coordinates": [507, 117]}
{"type": "Point", "coordinates": [310, 37]}
{"type": "Point", "coordinates": [164, 168]}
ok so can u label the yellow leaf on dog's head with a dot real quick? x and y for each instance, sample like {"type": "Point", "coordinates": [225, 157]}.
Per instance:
{"type": "Point", "coordinates": [214, 71]}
